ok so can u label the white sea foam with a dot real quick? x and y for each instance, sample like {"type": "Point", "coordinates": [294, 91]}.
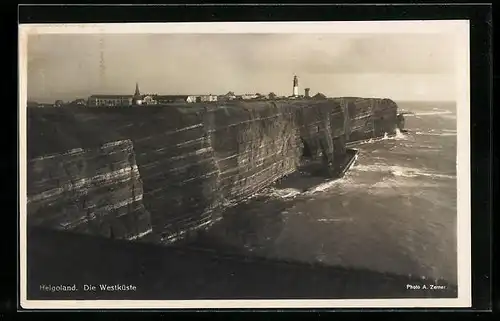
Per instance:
{"type": "Point", "coordinates": [381, 187]}
{"type": "Point", "coordinates": [325, 186]}
{"type": "Point", "coordinates": [430, 113]}
{"type": "Point", "coordinates": [398, 136]}
{"type": "Point", "coordinates": [284, 193]}
{"type": "Point", "coordinates": [419, 147]}
{"type": "Point", "coordinates": [387, 184]}
{"type": "Point", "coordinates": [400, 171]}
{"type": "Point", "coordinates": [342, 219]}
{"type": "Point", "coordinates": [428, 150]}
{"type": "Point", "coordinates": [436, 134]}
{"type": "Point", "coordinates": [452, 117]}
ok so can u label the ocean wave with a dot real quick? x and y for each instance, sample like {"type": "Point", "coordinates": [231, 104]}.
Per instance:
{"type": "Point", "coordinates": [325, 186]}
{"type": "Point", "coordinates": [343, 219]}
{"type": "Point", "coordinates": [436, 134]}
{"type": "Point", "coordinates": [284, 193]}
{"type": "Point", "coordinates": [398, 136]}
{"type": "Point", "coordinates": [429, 113]}
{"type": "Point", "coordinates": [287, 193]}
{"type": "Point", "coordinates": [420, 147]}
{"type": "Point", "coordinates": [395, 185]}
{"type": "Point", "coordinates": [400, 171]}
{"type": "Point", "coordinates": [428, 150]}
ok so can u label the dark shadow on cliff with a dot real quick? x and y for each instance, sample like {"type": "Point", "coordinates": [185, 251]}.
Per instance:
{"type": "Point", "coordinates": [163, 273]}
{"type": "Point", "coordinates": [312, 172]}
{"type": "Point", "coordinates": [248, 226]}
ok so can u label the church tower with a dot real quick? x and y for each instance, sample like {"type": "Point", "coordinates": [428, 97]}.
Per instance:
{"type": "Point", "coordinates": [295, 86]}
{"type": "Point", "coordinates": [136, 100]}
{"type": "Point", "coordinates": [137, 92]}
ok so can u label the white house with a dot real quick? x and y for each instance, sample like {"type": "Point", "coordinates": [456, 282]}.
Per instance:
{"type": "Point", "coordinates": [249, 96]}
{"type": "Point", "coordinates": [210, 97]}
{"type": "Point", "coordinates": [109, 100]}
{"type": "Point", "coordinates": [148, 100]}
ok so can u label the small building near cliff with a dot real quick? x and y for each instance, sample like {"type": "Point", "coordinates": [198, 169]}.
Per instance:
{"type": "Point", "coordinates": [109, 100]}
{"type": "Point", "coordinates": [319, 96]}
{"type": "Point", "coordinates": [207, 98]}
{"type": "Point", "coordinates": [116, 100]}
{"type": "Point", "coordinates": [229, 96]}
{"type": "Point", "coordinates": [148, 100]}
{"type": "Point", "coordinates": [165, 99]}
{"type": "Point", "coordinates": [78, 102]}
{"type": "Point", "coordinates": [249, 96]}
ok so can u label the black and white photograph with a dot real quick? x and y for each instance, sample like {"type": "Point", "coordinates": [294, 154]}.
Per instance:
{"type": "Point", "coordinates": [245, 165]}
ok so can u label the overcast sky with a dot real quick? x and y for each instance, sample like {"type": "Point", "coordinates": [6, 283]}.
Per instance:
{"type": "Point", "coordinates": [397, 66]}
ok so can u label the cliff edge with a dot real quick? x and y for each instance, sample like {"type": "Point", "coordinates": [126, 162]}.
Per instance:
{"type": "Point", "coordinates": [156, 173]}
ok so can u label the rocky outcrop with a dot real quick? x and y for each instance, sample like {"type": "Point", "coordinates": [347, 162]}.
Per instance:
{"type": "Point", "coordinates": [368, 118]}
{"type": "Point", "coordinates": [92, 191]}
{"type": "Point", "coordinates": [193, 159]}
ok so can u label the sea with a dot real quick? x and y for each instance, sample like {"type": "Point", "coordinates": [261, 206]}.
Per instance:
{"type": "Point", "coordinates": [395, 210]}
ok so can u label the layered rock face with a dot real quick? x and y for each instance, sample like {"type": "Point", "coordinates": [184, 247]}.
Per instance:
{"type": "Point", "coordinates": [193, 159]}
{"type": "Point", "coordinates": [93, 191]}
{"type": "Point", "coordinates": [254, 145]}
{"type": "Point", "coordinates": [322, 133]}
{"type": "Point", "coordinates": [368, 118]}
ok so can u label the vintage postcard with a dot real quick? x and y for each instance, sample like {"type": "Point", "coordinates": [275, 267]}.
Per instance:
{"type": "Point", "coordinates": [245, 165]}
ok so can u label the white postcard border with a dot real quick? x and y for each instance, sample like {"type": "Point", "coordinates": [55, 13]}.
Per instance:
{"type": "Point", "coordinates": [458, 28]}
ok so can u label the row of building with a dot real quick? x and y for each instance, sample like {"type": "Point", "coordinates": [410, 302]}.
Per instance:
{"type": "Point", "coordinates": [153, 99]}
{"type": "Point", "coordinates": [138, 99]}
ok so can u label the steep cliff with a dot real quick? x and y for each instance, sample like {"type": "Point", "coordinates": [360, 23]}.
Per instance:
{"type": "Point", "coordinates": [92, 191]}
{"type": "Point", "coordinates": [368, 118]}
{"type": "Point", "coordinates": [193, 160]}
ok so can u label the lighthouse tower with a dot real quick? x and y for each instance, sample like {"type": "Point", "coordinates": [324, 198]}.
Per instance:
{"type": "Point", "coordinates": [295, 86]}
